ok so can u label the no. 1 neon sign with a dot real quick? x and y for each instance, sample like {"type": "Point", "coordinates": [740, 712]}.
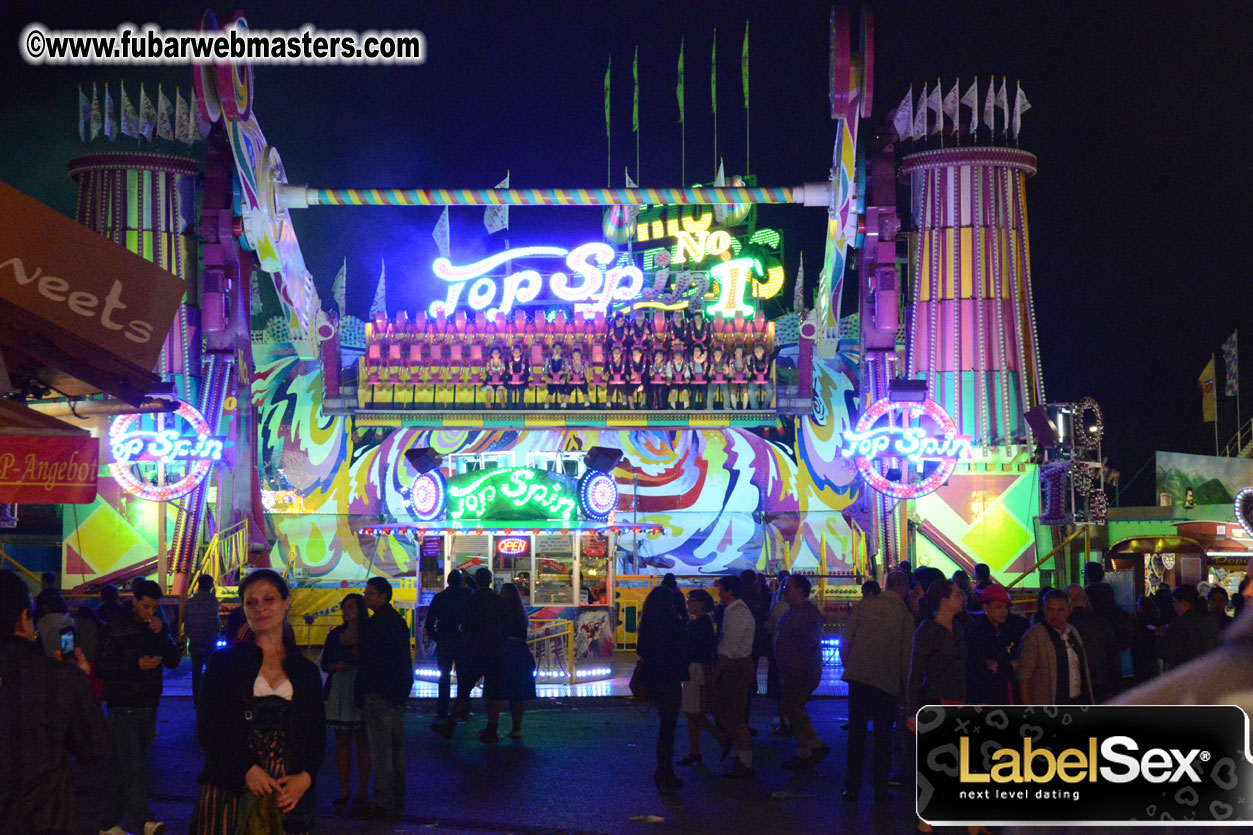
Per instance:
{"type": "Point", "coordinates": [918, 439]}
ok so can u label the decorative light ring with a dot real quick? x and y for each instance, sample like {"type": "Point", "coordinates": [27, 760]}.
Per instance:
{"type": "Point", "coordinates": [428, 495]}
{"type": "Point", "coordinates": [1244, 509]}
{"type": "Point", "coordinates": [1089, 438]}
{"type": "Point", "coordinates": [945, 466]}
{"type": "Point", "coordinates": [125, 450]}
{"type": "Point", "coordinates": [598, 495]}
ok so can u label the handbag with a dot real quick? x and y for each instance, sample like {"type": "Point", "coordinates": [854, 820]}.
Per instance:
{"type": "Point", "coordinates": [639, 690]}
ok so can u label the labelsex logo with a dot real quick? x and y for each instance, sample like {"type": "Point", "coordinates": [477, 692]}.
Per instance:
{"type": "Point", "coordinates": [1039, 765]}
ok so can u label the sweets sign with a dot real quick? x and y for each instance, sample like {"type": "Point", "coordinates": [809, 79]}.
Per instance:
{"type": "Point", "coordinates": [905, 436]}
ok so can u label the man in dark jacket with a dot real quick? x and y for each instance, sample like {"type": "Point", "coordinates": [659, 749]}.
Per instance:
{"type": "Point", "coordinates": [484, 628]}
{"type": "Point", "coordinates": [202, 625]}
{"type": "Point", "coordinates": [443, 626]}
{"type": "Point", "coordinates": [1099, 641]}
{"type": "Point", "coordinates": [48, 712]}
{"type": "Point", "coordinates": [384, 679]}
{"type": "Point", "coordinates": [130, 665]}
{"type": "Point", "coordinates": [992, 642]}
{"type": "Point", "coordinates": [1190, 635]}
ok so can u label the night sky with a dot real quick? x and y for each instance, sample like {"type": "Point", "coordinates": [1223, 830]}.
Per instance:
{"type": "Point", "coordinates": [1141, 114]}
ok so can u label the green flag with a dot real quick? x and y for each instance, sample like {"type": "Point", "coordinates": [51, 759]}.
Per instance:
{"type": "Point", "coordinates": [679, 90]}
{"type": "Point", "coordinates": [607, 69]}
{"type": "Point", "coordinates": [713, 73]}
{"type": "Point", "coordinates": [744, 65]}
{"type": "Point", "coordinates": [635, 109]}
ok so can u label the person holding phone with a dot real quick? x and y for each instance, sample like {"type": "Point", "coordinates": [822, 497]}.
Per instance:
{"type": "Point", "coordinates": [58, 716]}
{"type": "Point", "coordinates": [130, 665]}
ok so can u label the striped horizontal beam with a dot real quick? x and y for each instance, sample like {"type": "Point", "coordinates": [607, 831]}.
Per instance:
{"type": "Point", "coordinates": [294, 197]}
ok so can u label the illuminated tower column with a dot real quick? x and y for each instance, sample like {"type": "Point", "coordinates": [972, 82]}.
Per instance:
{"type": "Point", "coordinates": [146, 203]}
{"type": "Point", "coordinates": [971, 324]}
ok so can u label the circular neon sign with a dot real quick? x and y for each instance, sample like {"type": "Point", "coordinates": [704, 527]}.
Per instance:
{"type": "Point", "coordinates": [1244, 509]}
{"type": "Point", "coordinates": [912, 438]}
{"type": "Point", "coordinates": [428, 495]}
{"type": "Point", "coordinates": [598, 495]}
{"type": "Point", "coordinates": [181, 460]}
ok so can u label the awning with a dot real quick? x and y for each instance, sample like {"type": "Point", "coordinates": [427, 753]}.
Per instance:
{"type": "Point", "coordinates": [44, 460]}
{"type": "Point", "coordinates": [81, 313]}
{"type": "Point", "coordinates": [1157, 545]}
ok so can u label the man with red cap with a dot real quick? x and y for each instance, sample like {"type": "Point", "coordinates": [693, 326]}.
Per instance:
{"type": "Point", "coordinates": [991, 645]}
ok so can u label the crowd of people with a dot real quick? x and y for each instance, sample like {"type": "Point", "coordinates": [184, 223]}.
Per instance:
{"type": "Point", "coordinates": [930, 639]}
{"type": "Point", "coordinates": [664, 361]}
{"type": "Point", "coordinates": [701, 659]}
{"type": "Point", "coordinates": [263, 708]}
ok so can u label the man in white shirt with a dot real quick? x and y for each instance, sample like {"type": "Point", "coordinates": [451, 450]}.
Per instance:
{"type": "Point", "coordinates": [734, 671]}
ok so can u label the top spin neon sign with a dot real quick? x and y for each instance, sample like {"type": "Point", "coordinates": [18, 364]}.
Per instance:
{"type": "Point", "coordinates": [933, 451]}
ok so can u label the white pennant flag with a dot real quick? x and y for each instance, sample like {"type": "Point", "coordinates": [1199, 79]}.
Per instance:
{"type": "Point", "coordinates": [130, 117]}
{"type": "Point", "coordinates": [199, 124]}
{"type": "Point", "coordinates": [84, 114]}
{"type": "Point", "coordinates": [798, 295]}
{"type": "Point", "coordinates": [443, 235]}
{"type": "Point", "coordinates": [920, 115]}
{"type": "Point", "coordinates": [935, 104]}
{"type": "Point", "coordinates": [182, 119]}
{"type": "Point", "coordinates": [1002, 101]}
{"type": "Point", "coordinates": [971, 99]}
{"type": "Point", "coordinates": [379, 305]}
{"type": "Point", "coordinates": [110, 122]}
{"type": "Point", "coordinates": [950, 107]}
{"type": "Point", "coordinates": [165, 127]}
{"type": "Point", "coordinates": [1021, 106]}
{"type": "Point", "coordinates": [339, 289]}
{"type": "Point", "coordinates": [96, 121]}
{"type": "Point", "coordinates": [989, 105]}
{"type": "Point", "coordinates": [903, 121]}
{"type": "Point", "coordinates": [147, 115]}
{"type": "Point", "coordinates": [496, 218]}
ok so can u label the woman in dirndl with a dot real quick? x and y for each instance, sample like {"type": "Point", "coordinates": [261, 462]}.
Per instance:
{"type": "Point", "coordinates": [262, 723]}
{"type": "Point", "coordinates": [517, 663]}
{"type": "Point", "coordinates": [697, 699]}
{"type": "Point", "coordinates": [340, 657]}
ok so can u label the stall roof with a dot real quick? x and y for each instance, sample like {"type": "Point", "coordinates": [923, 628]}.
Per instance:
{"type": "Point", "coordinates": [470, 526]}
{"type": "Point", "coordinates": [1157, 545]}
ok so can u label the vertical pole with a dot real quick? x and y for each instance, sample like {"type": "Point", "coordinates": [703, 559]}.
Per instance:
{"type": "Point", "coordinates": [1213, 364]}
{"type": "Point", "coordinates": [1235, 362]}
{"type": "Point", "coordinates": [161, 556]}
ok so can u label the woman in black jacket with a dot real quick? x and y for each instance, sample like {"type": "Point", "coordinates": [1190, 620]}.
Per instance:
{"type": "Point", "coordinates": [702, 652]}
{"type": "Point", "coordinates": [340, 658]}
{"type": "Point", "coordinates": [262, 721]}
{"type": "Point", "coordinates": [662, 647]}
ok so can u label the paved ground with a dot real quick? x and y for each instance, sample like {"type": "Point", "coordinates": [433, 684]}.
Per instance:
{"type": "Point", "coordinates": [584, 766]}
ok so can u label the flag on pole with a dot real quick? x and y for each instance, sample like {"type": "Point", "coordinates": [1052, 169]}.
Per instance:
{"type": "Point", "coordinates": [713, 73]}
{"type": "Point", "coordinates": [936, 105]}
{"type": "Point", "coordinates": [339, 289]}
{"type": "Point", "coordinates": [798, 294]}
{"type": "Point", "coordinates": [84, 114]}
{"type": "Point", "coordinates": [1021, 106]}
{"type": "Point", "coordinates": [199, 124]}
{"type": "Point", "coordinates": [147, 115]}
{"type": "Point", "coordinates": [989, 108]}
{"type": "Point", "coordinates": [1209, 398]}
{"type": "Point", "coordinates": [379, 305]}
{"type": "Point", "coordinates": [678, 91]}
{"type": "Point", "coordinates": [744, 65]}
{"type": "Point", "coordinates": [110, 124]}
{"type": "Point", "coordinates": [635, 105]}
{"type": "Point", "coordinates": [608, 69]}
{"type": "Point", "coordinates": [95, 113]}
{"type": "Point", "coordinates": [950, 107]}
{"type": "Point", "coordinates": [182, 118]}
{"type": "Point", "coordinates": [1231, 386]}
{"type": "Point", "coordinates": [920, 115]}
{"type": "Point", "coordinates": [130, 118]}
{"type": "Point", "coordinates": [903, 121]}
{"type": "Point", "coordinates": [443, 234]}
{"type": "Point", "coordinates": [496, 218]}
{"type": "Point", "coordinates": [1002, 101]}
{"type": "Point", "coordinates": [165, 128]}
{"type": "Point", "coordinates": [971, 100]}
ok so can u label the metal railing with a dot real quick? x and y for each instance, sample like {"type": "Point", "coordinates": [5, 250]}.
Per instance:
{"type": "Point", "coordinates": [1241, 442]}
{"type": "Point", "coordinates": [552, 645]}
{"type": "Point", "coordinates": [226, 552]}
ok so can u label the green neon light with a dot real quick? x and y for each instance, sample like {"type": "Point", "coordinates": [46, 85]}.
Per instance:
{"type": "Point", "coordinates": [513, 491]}
{"type": "Point", "coordinates": [733, 285]}
{"type": "Point", "coordinates": [766, 237]}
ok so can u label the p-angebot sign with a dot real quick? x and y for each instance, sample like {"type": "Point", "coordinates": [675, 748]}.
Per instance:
{"type": "Point", "coordinates": [64, 273]}
{"type": "Point", "coordinates": [48, 469]}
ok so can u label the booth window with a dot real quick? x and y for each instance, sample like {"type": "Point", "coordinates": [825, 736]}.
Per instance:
{"type": "Point", "coordinates": [566, 463]}
{"type": "Point", "coordinates": [474, 462]}
{"type": "Point", "coordinates": [554, 570]}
